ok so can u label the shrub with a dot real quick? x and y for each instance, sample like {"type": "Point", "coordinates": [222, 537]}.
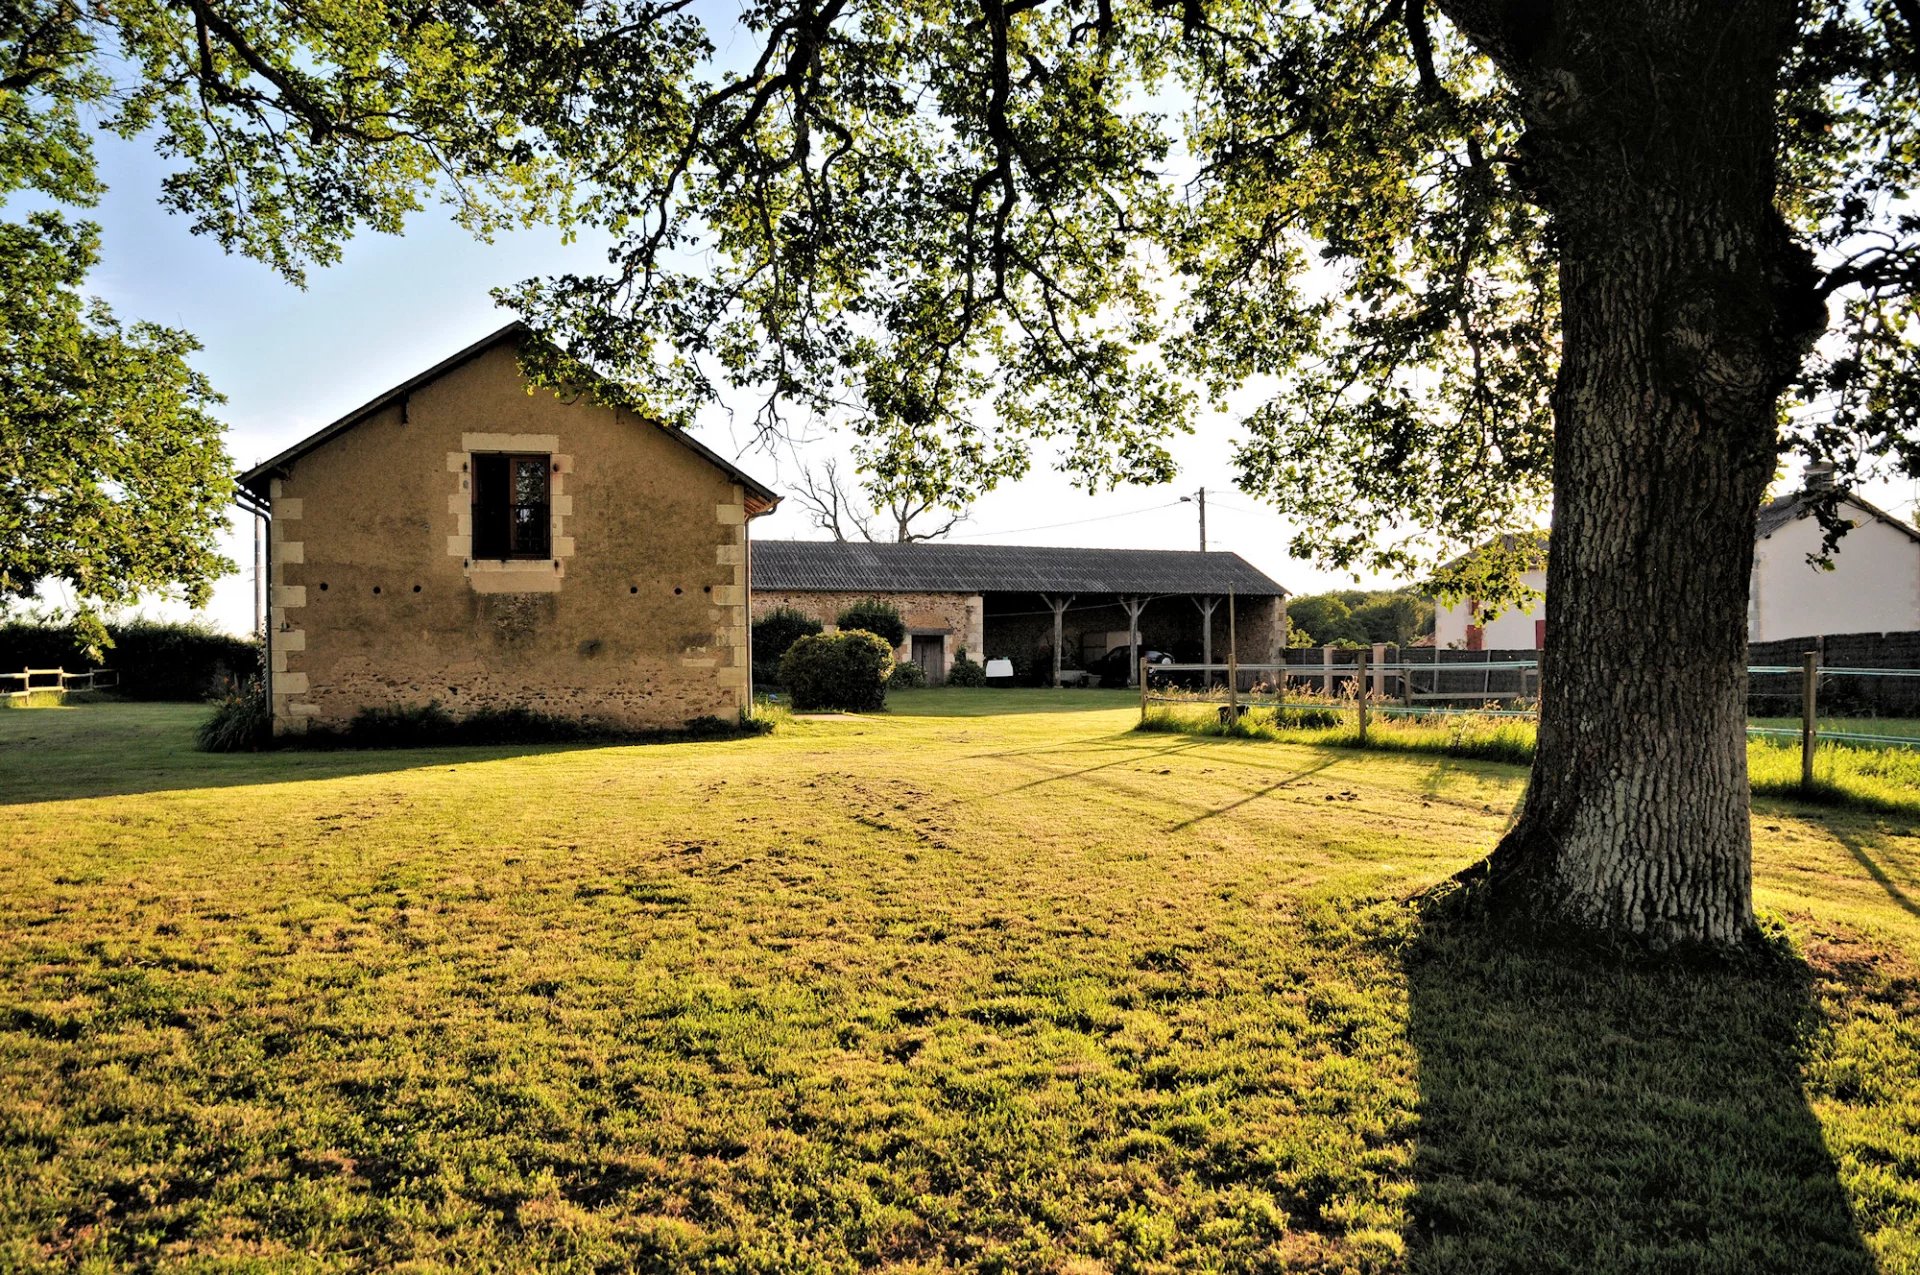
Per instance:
{"type": "Point", "coordinates": [838, 670]}
{"type": "Point", "coordinates": [965, 672]}
{"type": "Point", "coordinates": [875, 616]}
{"type": "Point", "coordinates": [431, 726]}
{"type": "Point", "coordinates": [240, 721]}
{"type": "Point", "coordinates": [906, 676]}
{"type": "Point", "coordinates": [155, 661]}
{"type": "Point", "coordinates": [777, 630]}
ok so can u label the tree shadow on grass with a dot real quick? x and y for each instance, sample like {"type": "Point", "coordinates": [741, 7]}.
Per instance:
{"type": "Point", "coordinates": [129, 750]}
{"type": "Point", "coordinates": [1580, 1116]}
{"type": "Point", "coordinates": [1875, 853]}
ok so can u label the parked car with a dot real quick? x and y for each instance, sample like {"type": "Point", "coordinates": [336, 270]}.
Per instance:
{"type": "Point", "coordinates": [1116, 666]}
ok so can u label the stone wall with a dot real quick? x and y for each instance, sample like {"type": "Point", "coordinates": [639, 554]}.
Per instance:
{"type": "Point", "coordinates": [637, 619]}
{"type": "Point", "coordinates": [954, 617]}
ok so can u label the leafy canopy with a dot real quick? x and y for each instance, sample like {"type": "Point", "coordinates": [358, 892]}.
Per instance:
{"type": "Point", "coordinates": [971, 230]}
{"type": "Point", "coordinates": [112, 473]}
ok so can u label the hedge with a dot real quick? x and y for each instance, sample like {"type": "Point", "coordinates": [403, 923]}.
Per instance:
{"type": "Point", "coordinates": [155, 661]}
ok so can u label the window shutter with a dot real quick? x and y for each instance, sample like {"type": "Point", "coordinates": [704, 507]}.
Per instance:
{"type": "Point", "coordinates": [491, 499]}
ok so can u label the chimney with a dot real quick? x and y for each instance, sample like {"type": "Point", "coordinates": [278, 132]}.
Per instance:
{"type": "Point", "coordinates": [1818, 476]}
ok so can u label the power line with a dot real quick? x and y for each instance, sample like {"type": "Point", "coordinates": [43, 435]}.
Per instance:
{"type": "Point", "coordinates": [1078, 522]}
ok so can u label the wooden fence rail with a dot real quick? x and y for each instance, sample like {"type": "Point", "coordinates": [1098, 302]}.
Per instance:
{"type": "Point", "coordinates": [38, 681]}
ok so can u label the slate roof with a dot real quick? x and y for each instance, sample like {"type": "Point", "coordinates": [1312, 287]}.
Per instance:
{"type": "Point", "coordinates": [821, 566]}
{"type": "Point", "coordinates": [255, 480]}
{"type": "Point", "coordinates": [1776, 514]}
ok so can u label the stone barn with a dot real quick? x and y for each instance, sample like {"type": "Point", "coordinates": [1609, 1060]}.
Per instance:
{"type": "Point", "coordinates": [1022, 602]}
{"type": "Point", "coordinates": [467, 540]}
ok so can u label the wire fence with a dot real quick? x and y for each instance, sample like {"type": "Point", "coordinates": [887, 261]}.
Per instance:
{"type": "Point", "coordinates": [1366, 686]}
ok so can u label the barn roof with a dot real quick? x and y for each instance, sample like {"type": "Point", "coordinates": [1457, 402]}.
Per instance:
{"type": "Point", "coordinates": [255, 480]}
{"type": "Point", "coordinates": [823, 566]}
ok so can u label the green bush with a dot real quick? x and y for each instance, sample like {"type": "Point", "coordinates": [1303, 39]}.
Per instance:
{"type": "Point", "coordinates": [965, 672]}
{"type": "Point", "coordinates": [906, 676]}
{"type": "Point", "coordinates": [241, 721]}
{"type": "Point", "coordinates": [847, 670]}
{"type": "Point", "coordinates": [777, 630]}
{"type": "Point", "coordinates": [155, 661]}
{"type": "Point", "coordinates": [875, 616]}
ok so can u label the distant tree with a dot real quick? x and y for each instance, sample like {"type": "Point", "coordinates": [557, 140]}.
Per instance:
{"type": "Point", "coordinates": [779, 629]}
{"type": "Point", "coordinates": [877, 617]}
{"type": "Point", "coordinates": [113, 477]}
{"type": "Point", "coordinates": [900, 516]}
{"type": "Point", "coordinates": [1327, 618]}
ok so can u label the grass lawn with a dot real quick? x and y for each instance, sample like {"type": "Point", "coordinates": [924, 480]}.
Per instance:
{"type": "Point", "coordinates": [1884, 778]}
{"type": "Point", "coordinates": [990, 982]}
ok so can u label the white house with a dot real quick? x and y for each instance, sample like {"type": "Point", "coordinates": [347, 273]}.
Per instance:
{"type": "Point", "coordinates": [1874, 586]}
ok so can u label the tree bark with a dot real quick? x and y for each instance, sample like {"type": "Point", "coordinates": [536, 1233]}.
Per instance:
{"type": "Point", "coordinates": [1686, 308]}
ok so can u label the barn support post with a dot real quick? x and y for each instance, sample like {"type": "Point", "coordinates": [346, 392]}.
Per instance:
{"type": "Point", "coordinates": [1207, 604]}
{"type": "Point", "coordinates": [1134, 606]}
{"type": "Point", "coordinates": [1233, 663]}
{"type": "Point", "coordinates": [1059, 607]}
{"type": "Point", "coordinates": [1809, 715]}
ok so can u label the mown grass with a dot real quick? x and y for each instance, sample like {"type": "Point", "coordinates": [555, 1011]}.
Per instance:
{"type": "Point", "coordinates": [992, 982]}
{"type": "Point", "coordinates": [1886, 779]}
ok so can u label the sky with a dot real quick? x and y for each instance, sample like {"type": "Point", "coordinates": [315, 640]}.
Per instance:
{"type": "Point", "coordinates": [291, 360]}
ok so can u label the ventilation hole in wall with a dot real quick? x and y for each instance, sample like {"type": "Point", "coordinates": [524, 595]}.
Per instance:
{"type": "Point", "coordinates": [323, 586]}
{"type": "Point", "coordinates": [376, 589]}
{"type": "Point", "coordinates": [676, 590]}
{"type": "Point", "coordinates": [416, 588]}
{"type": "Point", "coordinates": [636, 588]}
{"type": "Point", "coordinates": [708, 589]}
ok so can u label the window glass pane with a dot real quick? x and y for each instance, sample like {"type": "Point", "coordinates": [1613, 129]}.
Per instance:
{"type": "Point", "coordinates": [530, 480]}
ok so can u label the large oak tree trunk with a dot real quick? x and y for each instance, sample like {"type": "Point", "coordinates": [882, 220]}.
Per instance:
{"type": "Point", "coordinates": [1686, 308]}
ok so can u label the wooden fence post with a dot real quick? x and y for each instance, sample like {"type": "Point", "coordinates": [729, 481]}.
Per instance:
{"type": "Point", "coordinates": [1143, 687]}
{"type": "Point", "coordinates": [1233, 661]}
{"type": "Point", "coordinates": [1809, 714]}
{"type": "Point", "coordinates": [1360, 692]}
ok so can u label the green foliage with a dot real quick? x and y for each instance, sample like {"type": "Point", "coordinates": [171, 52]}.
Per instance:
{"type": "Point", "coordinates": [846, 670]}
{"type": "Point", "coordinates": [962, 228]}
{"type": "Point", "coordinates": [241, 721]}
{"type": "Point", "coordinates": [874, 616]}
{"type": "Point", "coordinates": [1359, 617]}
{"type": "Point", "coordinates": [906, 676]}
{"type": "Point", "coordinates": [779, 629]}
{"type": "Point", "coordinates": [432, 726]}
{"type": "Point", "coordinates": [158, 660]}
{"type": "Point", "coordinates": [966, 672]}
{"type": "Point", "coordinates": [113, 476]}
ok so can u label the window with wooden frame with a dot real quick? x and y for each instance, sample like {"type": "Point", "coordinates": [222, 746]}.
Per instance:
{"type": "Point", "coordinates": [510, 506]}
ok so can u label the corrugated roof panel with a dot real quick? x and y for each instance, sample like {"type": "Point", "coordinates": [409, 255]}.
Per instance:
{"type": "Point", "coordinates": [840, 567]}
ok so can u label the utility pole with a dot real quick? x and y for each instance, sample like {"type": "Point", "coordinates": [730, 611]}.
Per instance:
{"type": "Point", "coordinates": [1199, 497]}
